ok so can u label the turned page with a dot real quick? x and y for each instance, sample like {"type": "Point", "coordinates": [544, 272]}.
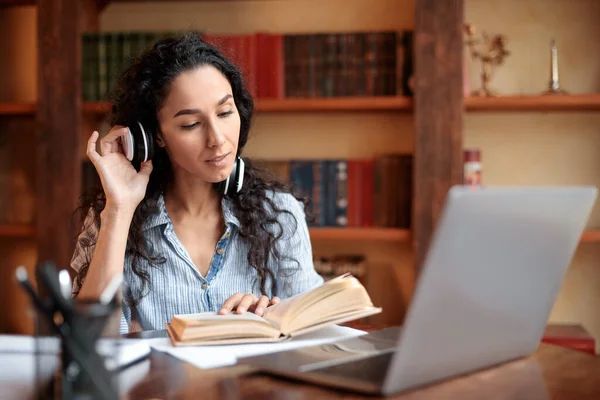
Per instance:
{"type": "Point", "coordinates": [314, 300]}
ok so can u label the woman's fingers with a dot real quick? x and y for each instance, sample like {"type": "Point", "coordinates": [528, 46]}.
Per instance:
{"type": "Point", "coordinates": [146, 168]}
{"type": "Point", "coordinates": [230, 303]}
{"type": "Point", "coordinates": [274, 301]}
{"type": "Point", "coordinates": [91, 148]}
{"type": "Point", "coordinates": [111, 143]}
{"type": "Point", "coordinates": [245, 303]}
{"type": "Point", "coordinates": [262, 303]}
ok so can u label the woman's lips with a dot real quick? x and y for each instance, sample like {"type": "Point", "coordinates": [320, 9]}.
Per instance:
{"type": "Point", "coordinates": [219, 161]}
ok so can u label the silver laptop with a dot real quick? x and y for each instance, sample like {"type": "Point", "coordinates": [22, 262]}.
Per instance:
{"type": "Point", "coordinates": [490, 279]}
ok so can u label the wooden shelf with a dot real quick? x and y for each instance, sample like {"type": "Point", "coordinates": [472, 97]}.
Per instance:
{"type": "Point", "coordinates": [10, 108]}
{"type": "Point", "coordinates": [584, 102]}
{"type": "Point", "coordinates": [14, 3]}
{"type": "Point", "coordinates": [576, 102]}
{"type": "Point", "coordinates": [326, 233]}
{"type": "Point", "coordinates": [360, 234]}
{"type": "Point", "coordinates": [17, 230]}
{"type": "Point", "coordinates": [391, 103]}
{"type": "Point", "coordinates": [358, 104]}
{"type": "Point", "coordinates": [96, 107]}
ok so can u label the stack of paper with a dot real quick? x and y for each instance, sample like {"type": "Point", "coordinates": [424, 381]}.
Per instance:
{"type": "Point", "coordinates": [225, 355]}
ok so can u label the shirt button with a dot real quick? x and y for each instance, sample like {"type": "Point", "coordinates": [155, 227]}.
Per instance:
{"type": "Point", "coordinates": [204, 285]}
{"type": "Point", "coordinates": [220, 251]}
{"type": "Point", "coordinates": [227, 234]}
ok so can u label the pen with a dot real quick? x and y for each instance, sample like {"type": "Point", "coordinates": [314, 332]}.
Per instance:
{"type": "Point", "coordinates": [65, 283]}
{"type": "Point", "coordinates": [48, 277]}
{"type": "Point", "coordinates": [21, 274]}
{"type": "Point", "coordinates": [111, 289]}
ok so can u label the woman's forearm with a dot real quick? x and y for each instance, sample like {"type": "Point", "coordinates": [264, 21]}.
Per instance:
{"type": "Point", "coordinates": [109, 254]}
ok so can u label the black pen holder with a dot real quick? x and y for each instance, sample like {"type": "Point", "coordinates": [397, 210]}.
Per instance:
{"type": "Point", "coordinates": [76, 344]}
{"type": "Point", "coordinates": [85, 365]}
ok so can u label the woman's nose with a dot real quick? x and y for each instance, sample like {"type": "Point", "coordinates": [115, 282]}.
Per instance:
{"type": "Point", "coordinates": [215, 137]}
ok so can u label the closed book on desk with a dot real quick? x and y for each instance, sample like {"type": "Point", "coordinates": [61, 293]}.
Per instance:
{"type": "Point", "coordinates": [572, 336]}
{"type": "Point", "coordinates": [339, 300]}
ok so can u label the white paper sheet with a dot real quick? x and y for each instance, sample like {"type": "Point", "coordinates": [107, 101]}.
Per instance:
{"type": "Point", "coordinates": [129, 350]}
{"type": "Point", "coordinates": [225, 355]}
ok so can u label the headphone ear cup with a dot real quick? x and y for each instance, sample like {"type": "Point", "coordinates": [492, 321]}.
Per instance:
{"type": "Point", "coordinates": [239, 179]}
{"type": "Point", "coordinates": [229, 183]}
{"type": "Point", "coordinates": [143, 140]}
{"type": "Point", "coordinates": [151, 143]}
{"type": "Point", "coordinates": [233, 183]}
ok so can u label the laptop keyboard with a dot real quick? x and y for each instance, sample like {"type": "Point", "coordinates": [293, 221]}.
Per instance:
{"type": "Point", "coordinates": [372, 369]}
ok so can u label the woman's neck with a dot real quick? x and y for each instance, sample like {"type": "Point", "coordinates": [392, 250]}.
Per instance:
{"type": "Point", "coordinates": [190, 196]}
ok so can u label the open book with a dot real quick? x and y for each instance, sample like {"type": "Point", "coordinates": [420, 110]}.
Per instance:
{"type": "Point", "coordinates": [339, 300]}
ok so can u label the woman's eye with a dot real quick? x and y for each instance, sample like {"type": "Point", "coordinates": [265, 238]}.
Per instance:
{"type": "Point", "coordinates": [226, 113]}
{"type": "Point", "coordinates": [191, 126]}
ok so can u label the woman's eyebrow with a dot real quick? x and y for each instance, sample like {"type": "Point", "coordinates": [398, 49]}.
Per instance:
{"type": "Point", "coordinates": [190, 111]}
{"type": "Point", "coordinates": [224, 99]}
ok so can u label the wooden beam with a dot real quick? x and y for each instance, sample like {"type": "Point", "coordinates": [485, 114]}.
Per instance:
{"type": "Point", "coordinates": [59, 122]}
{"type": "Point", "coordinates": [438, 112]}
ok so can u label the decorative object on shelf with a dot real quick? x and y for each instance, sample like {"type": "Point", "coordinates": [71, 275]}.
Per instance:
{"type": "Point", "coordinates": [472, 167]}
{"type": "Point", "coordinates": [554, 85]}
{"type": "Point", "coordinates": [493, 51]}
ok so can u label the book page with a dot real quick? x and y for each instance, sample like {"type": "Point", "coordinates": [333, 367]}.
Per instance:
{"type": "Point", "coordinates": [206, 318]}
{"type": "Point", "coordinates": [314, 303]}
{"type": "Point", "coordinates": [210, 326]}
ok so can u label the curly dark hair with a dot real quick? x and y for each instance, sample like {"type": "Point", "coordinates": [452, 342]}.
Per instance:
{"type": "Point", "coordinates": [138, 96]}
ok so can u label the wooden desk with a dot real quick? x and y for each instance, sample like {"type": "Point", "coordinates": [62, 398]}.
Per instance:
{"type": "Point", "coordinates": [553, 372]}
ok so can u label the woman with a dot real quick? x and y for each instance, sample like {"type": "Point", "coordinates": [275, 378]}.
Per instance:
{"type": "Point", "coordinates": [182, 246]}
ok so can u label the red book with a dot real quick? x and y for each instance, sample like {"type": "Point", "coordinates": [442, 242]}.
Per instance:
{"type": "Point", "coordinates": [573, 336]}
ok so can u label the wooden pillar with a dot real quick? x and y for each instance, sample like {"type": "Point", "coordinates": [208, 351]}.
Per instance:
{"type": "Point", "coordinates": [438, 113]}
{"type": "Point", "coordinates": [59, 125]}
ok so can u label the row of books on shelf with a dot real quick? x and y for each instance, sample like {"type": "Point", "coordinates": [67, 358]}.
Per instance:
{"type": "Point", "coordinates": [369, 192]}
{"type": "Point", "coordinates": [275, 65]}
{"type": "Point", "coordinates": [330, 267]}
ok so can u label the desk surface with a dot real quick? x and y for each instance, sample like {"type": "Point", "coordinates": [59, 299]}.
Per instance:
{"type": "Point", "coordinates": [553, 372]}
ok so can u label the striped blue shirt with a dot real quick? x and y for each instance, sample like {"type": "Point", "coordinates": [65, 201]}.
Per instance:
{"type": "Point", "coordinates": [179, 288]}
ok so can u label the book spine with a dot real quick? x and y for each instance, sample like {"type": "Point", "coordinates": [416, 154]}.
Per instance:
{"type": "Point", "coordinates": [341, 198]}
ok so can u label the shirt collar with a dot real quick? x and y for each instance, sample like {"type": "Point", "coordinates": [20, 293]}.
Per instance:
{"type": "Point", "coordinates": [160, 216]}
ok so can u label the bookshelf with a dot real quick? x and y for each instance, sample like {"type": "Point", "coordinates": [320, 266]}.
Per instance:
{"type": "Point", "coordinates": [435, 114]}
{"type": "Point", "coordinates": [63, 118]}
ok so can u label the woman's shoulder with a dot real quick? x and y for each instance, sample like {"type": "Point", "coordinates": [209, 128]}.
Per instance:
{"type": "Point", "coordinates": [286, 201]}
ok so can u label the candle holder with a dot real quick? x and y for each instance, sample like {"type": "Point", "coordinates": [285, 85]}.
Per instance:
{"type": "Point", "coordinates": [554, 85]}
{"type": "Point", "coordinates": [492, 52]}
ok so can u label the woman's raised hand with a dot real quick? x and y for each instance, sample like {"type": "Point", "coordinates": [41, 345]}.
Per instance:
{"type": "Point", "coordinates": [124, 186]}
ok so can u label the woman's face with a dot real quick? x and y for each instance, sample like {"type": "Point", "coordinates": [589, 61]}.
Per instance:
{"type": "Point", "coordinates": [200, 124]}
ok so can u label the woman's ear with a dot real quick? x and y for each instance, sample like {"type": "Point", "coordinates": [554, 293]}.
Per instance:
{"type": "Point", "coordinates": [159, 140]}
